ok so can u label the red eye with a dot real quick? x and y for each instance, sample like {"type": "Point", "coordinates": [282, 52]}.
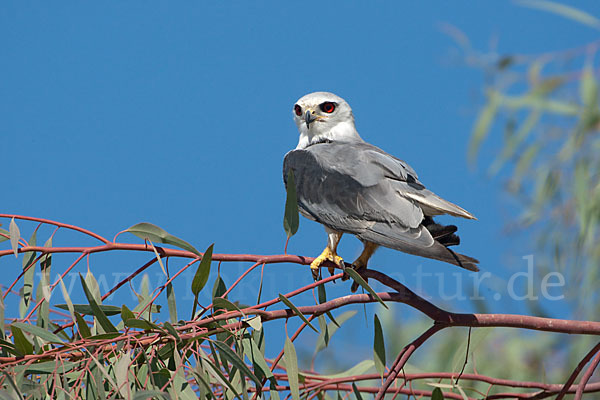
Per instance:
{"type": "Point", "coordinates": [327, 107]}
{"type": "Point", "coordinates": [298, 110]}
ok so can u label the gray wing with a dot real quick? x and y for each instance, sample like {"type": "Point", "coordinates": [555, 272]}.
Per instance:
{"type": "Point", "coordinates": [357, 188]}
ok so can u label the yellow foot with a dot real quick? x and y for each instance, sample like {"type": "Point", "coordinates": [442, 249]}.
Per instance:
{"type": "Point", "coordinates": [326, 255]}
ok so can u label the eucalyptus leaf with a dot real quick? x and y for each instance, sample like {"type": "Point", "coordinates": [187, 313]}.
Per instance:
{"type": "Point", "coordinates": [38, 332]}
{"type": "Point", "coordinates": [15, 235]}
{"type": "Point", "coordinates": [203, 271]}
{"type": "Point", "coordinates": [359, 279]}
{"type": "Point", "coordinates": [96, 310]}
{"type": "Point", "coordinates": [378, 347]}
{"type": "Point", "coordinates": [236, 361]}
{"type": "Point", "coordinates": [291, 365]}
{"type": "Point", "coordinates": [86, 309]}
{"type": "Point", "coordinates": [296, 311]}
{"type": "Point", "coordinates": [146, 230]}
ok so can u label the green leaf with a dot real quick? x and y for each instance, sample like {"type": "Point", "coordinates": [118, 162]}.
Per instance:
{"type": "Point", "coordinates": [86, 309]}
{"type": "Point", "coordinates": [236, 361]}
{"type": "Point", "coordinates": [97, 311]}
{"type": "Point", "coordinates": [254, 322]}
{"type": "Point", "coordinates": [172, 331]}
{"type": "Point", "coordinates": [296, 311]}
{"type": "Point", "coordinates": [216, 372]}
{"type": "Point", "coordinates": [141, 324]}
{"type": "Point", "coordinates": [150, 394]}
{"type": "Point", "coordinates": [67, 298]}
{"type": "Point", "coordinates": [22, 345]}
{"type": "Point", "coordinates": [219, 302]}
{"type": "Point", "coordinates": [5, 235]}
{"type": "Point", "coordinates": [146, 230]}
{"type": "Point", "coordinates": [203, 271]}
{"type": "Point", "coordinates": [291, 364]}
{"type": "Point", "coordinates": [219, 287]}
{"type": "Point", "coordinates": [105, 336]}
{"type": "Point", "coordinates": [126, 313]}
{"type": "Point", "coordinates": [254, 354]}
{"type": "Point", "coordinates": [563, 10]}
{"type": "Point", "coordinates": [437, 394]}
{"type": "Point", "coordinates": [82, 326]}
{"type": "Point", "coordinates": [379, 347]}
{"type": "Point", "coordinates": [2, 328]}
{"type": "Point", "coordinates": [588, 88]}
{"type": "Point", "coordinates": [359, 369]}
{"type": "Point", "coordinates": [49, 367]}
{"type": "Point", "coordinates": [171, 302]}
{"type": "Point", "coordinates": [38, 332]}
{"type": "Point", "coordinates": [323, 299]}
{"type": "Point", "coordinates": [358, 279]}
{"type": "Point", "coordinates": [356, 392]}
{"type": "Point", "coordinates": [483, 124]}
{"type": "Point", "coordinates": [9, 347]}
{"type": "Point", "coordinates": [15, 235]}
{"type": "Point", "coordinates": [291, 220]}
{"type": "Point", "coordinates": [28, 276]}
{"type": "Point", "coordinates": [46, 259]}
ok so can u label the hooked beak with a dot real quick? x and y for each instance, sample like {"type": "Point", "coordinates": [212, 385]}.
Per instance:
{"type": "Point", "coordinates": [308, 118]}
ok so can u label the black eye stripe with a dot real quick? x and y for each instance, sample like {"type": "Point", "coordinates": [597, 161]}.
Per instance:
{"type": "Point", "coordinates": [328, 107]}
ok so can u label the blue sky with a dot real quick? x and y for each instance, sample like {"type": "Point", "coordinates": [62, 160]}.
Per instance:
{"type": "Point", "coordinates": [180, 115]}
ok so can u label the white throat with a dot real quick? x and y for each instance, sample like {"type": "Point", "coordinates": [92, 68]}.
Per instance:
{"type": "Point", "coordinates": [343, 131]}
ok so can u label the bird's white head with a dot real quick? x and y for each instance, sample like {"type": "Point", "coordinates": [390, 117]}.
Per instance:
{"type": "Point", "coordinates": [324, 116]}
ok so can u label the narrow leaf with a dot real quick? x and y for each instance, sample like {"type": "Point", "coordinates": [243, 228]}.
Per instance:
{"type": "Point", "coordinates": [291, 220]}
{"type": "Point", "coordinates": [126, 313]}
{"type": "Point", "coordinates": [15, 235]}
{"type": "Point", "coordinates": [323, 299]}
{"type": "Point", "coordinates": [171, 302]}
{"type": "Point", "coordinates": [563, 10]}
{"type": "Point", "coordinates": [82, 326]}
{"type": "Point", "coordinates": [483, 124]}
{"type": "Point", "coordinates": [359, 369]}
{"type": "Point", "coordinates": [28, 276]}
{"type": "Point", "coordinates": [219, 287]}
{"type": "Point", "coordinates": [85, 309]}
{"type": "Point", "coordinates": [5, 235]}
{"type": "Point", "coordinates": [203, 271]}
{"type": "Point", "coordinates": [254, 322]}
{"type": "Point", "coordinates": [38, 332]}
{"type": "Point", "coordinates": [2, 328]}
{"type": "Point", "coordinates": [22, 345]}
{"type": "Point", "coordinates": [141, 324]}
{"type": "Point", "coordinates": [67, 298]}
{"type": "Point", "coordinates": [356, 392]}
{"type": "Point", "coordinates": [146, 230]}
{"type": "Point", "coordinates": [237, 362]}
{"type": "Point", "coordinates": [221, 303]}
{"type": "Point", "coordinates": [296, 311]}
{"type": "Point", "coordinates": [358, 279]}
{"type": "Point", "coordinates": [97, 311]}
{"type": "Point", "coordinates": [379, 347]}
{"type": "Point", "coordinates": [291, 364]}
{"type": "Point", "coordinates": [437, 394]}
{"type": "Point", "coordinates": [172, 331]}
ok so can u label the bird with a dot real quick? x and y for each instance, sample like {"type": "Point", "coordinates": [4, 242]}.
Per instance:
{"type": "Point", "coordinates": [351, 186]}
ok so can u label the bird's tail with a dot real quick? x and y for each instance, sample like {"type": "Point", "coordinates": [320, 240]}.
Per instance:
{"type": "Point", "coordinates": [437, 249]}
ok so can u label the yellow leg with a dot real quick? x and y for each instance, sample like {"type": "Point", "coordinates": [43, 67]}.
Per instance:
{"type": "Point", "coordinates": [363, 259]}
{"type": "Point", "coordinates": [330, 253]}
